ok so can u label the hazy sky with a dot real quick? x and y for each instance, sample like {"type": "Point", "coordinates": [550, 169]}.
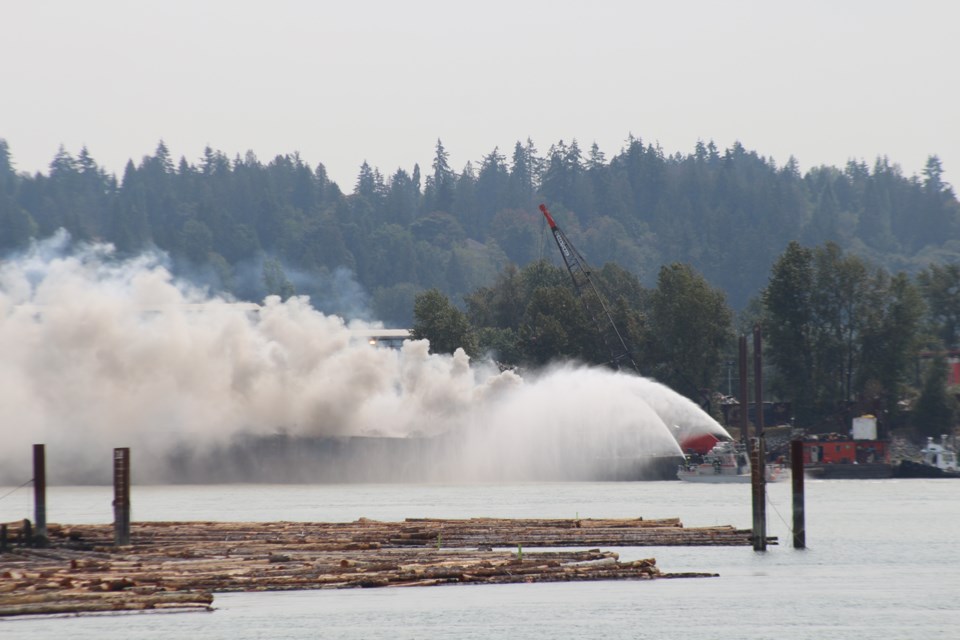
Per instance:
{"type": "Point", "coordinates": [380, 81]}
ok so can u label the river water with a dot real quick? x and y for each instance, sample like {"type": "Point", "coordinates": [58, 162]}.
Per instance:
{"type": "Point", "coordinates": [882, 562]}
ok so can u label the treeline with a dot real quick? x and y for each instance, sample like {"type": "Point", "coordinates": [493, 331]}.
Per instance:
{"type": "Point", "coordinates": [852, 272]}
{"type": "Point", "coordinates": [842, 336]}
{"type": "Point", "coordinates": [249, 228]}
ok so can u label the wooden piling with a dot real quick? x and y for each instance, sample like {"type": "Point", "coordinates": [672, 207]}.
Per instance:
{"type": "Point", "coordinates": [758, 380]}
{"type": "Point", "coordinates": [40, 491]}
{"type": "Point", "coordinates": [121, 496]}
{"type": "Point", "coordinates": [758, 449]}
{"type": "Point", "coordinates": [759, 493]}
{"type": "Point", "coordinates": [744, 395]}
{"type": "Point", "coordinates": [796, 471]}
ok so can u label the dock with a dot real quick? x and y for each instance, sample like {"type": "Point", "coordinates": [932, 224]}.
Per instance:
{"type": "Point", "coordinates": [180, 565]}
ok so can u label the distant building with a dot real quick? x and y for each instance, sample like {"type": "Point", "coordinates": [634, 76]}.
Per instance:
{"type": "Point", "coordinates": [952, 357]}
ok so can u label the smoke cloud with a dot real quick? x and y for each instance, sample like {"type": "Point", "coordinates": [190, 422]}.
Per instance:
{"type": "Point", "coordinates": [102, 352]}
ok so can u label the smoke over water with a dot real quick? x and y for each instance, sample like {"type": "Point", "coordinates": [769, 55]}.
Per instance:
{"type": "Point", "coordinates": [100, 352]}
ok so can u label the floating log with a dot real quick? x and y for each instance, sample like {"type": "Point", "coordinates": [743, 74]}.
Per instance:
{"type": "Point", "coordinates": [371, 534]}
{"type": "Point", "coordinates": [180, 564]}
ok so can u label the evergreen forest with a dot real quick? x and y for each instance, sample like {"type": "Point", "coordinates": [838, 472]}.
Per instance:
{"type": "Point", "coordinates": [853, 272]}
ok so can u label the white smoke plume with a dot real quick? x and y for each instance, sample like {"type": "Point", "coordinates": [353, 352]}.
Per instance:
{"type": "Point", "coordinates": [100, 352]}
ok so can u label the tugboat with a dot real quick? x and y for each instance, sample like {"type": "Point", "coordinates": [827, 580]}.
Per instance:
{"type": "Point", "coordinates": [936, 461]}
{"type": "Point", "coordinates": [725, 462]}
{"type": "Point", "coordinates": [861, 455]}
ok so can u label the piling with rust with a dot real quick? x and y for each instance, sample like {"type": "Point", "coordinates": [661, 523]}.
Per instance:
{"type": "Point", "coordinates": [121, 496]}
{"type": "Point", "coordinates": [39, 492]}
{"type": "Point", "coordinates": [796, 471]}
{"type": "Point", "coordinates": [744, 392]}
{"type": "Point", "coordinates": [758, 449]}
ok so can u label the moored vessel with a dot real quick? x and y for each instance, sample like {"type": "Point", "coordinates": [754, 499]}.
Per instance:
{"type": "Point", "coordinates": [725, 463]}
{"type": "Point", "coordinates": [937, 460]}
{"type": "Point", "coordinates": [860, 455]}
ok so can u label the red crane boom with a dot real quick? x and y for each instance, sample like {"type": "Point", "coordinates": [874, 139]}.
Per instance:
{"type": "Point", "coordinates": [591, 299]}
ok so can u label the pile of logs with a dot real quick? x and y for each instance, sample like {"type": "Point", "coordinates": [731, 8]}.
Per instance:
{"type": "Point", "coordinates": [180, 564]}
{"type": "Point", "coordinates": [418, 532]}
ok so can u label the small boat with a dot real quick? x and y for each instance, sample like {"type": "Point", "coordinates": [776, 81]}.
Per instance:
{"type": "Point", "coordinates": [725, 462]}
{"type": "Point", "coordinates": [936, 461]}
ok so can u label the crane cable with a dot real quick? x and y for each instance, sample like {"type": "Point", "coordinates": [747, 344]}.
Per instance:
{"type": "Point", "coordinates": [15, 489]}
